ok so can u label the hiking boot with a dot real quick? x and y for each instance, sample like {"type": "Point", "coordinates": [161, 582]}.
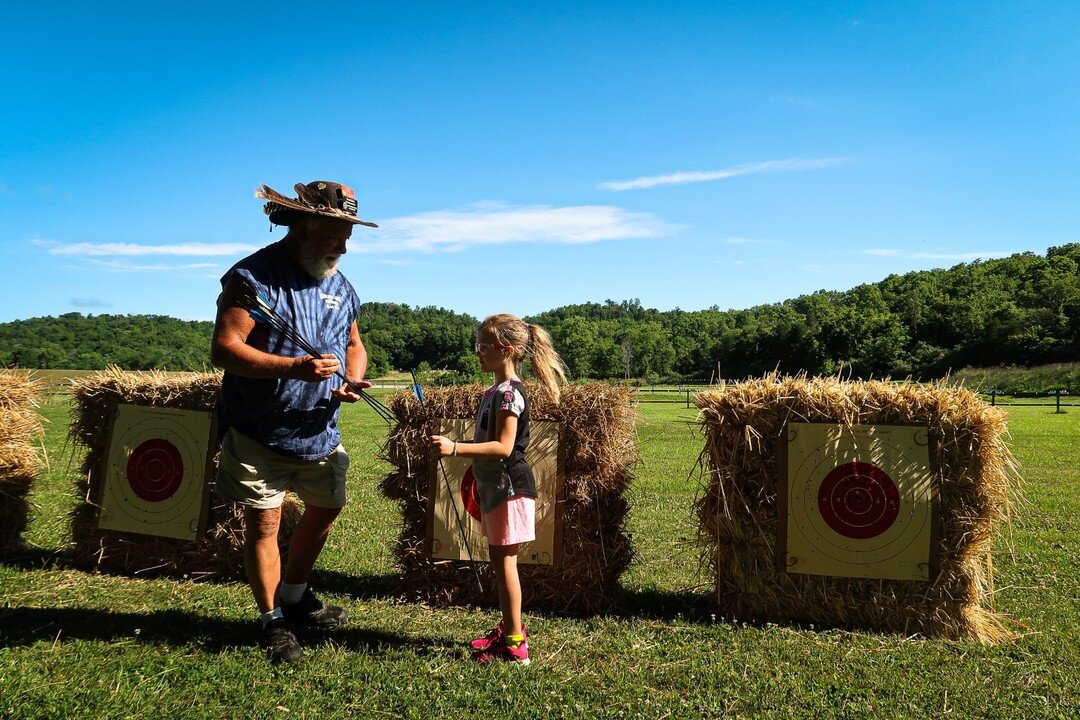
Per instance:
{"type": "Point", "coordinates": [500, 650]}
{"type": "Point", "coordinates": [277, 639]}
{"type": "Point", "coordinates": [484, 642]}
{"type": "Point", "coordinates": [309, 610]}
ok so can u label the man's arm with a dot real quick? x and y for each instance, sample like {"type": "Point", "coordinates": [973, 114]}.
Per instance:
{"type": "Point", "coordinates": [355, 367]}
{"type": "Point", "coordinates": [355, 355]}
{"type": "Point", "coordinates": [230, 350]}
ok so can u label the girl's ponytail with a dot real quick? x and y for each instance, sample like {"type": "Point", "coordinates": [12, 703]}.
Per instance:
{"type": "Point", "coordinates": [546, 363]}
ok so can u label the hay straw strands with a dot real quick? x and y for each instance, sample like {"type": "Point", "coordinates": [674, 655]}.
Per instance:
{"type": "Point", "coordinates": [738, 513]}
{"type": "Point", "coordinates": [596, 424]}
{"type": "Point", "coordinates": [20, 452]}
{"type": "Point", "coordinates": [261, 311]}
{"type": "Point", "coordinates": [218, 554]}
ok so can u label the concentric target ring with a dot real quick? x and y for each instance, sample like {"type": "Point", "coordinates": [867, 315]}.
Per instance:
{"type": "Point", "coordinates": [155, 470]}
{"type": "Point", "coordinates": [858, 500]}
{"type": "Point", "coordinates": [470, 497]}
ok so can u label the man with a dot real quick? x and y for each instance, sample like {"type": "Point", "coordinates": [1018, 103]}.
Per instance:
{"type": "Point", "coordinates": [279, 406]}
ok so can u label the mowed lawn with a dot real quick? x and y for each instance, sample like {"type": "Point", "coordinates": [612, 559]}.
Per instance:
{"type": "Point", "coordinates": [81, 645]}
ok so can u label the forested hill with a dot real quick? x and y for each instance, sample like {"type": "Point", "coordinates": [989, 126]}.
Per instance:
{"type": "Point", "coordinates": [90, 342]}
{"type": "Point", "coordinates": [1021, 310]}
{"type": "Point", "coordinates": [407, 336]}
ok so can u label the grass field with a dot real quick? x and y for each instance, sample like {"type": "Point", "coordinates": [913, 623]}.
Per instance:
{"type": "Point", "coordinates": [83, 645]}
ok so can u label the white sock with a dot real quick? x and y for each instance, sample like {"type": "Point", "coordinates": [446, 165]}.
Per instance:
{"type": "Point", "coordinates": [290, 594]}
{"type": "Point", "coordinates": [272, 615]}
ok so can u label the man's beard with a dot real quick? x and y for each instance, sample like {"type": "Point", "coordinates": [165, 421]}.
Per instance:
{"type": "Point", "coordinates": [318, 266]}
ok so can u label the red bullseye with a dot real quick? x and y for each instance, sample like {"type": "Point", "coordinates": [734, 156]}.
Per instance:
{"type": "Point", "coordinates": [469, 496]}
{"type": "Point", "coordinates": [858, 500]}
{"type": "Point", "coordinates": [155, 470]}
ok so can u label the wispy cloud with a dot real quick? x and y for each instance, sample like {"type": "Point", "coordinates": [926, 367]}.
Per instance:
{"type": "Point", "coordinates": [126, 266]}
{"type": "Point", "coordinates": [496, 224]}
{"type": "Point", "coordinates": [981, 255]}
{"type": "Point", "coordinates": [138, 250]}
{"type": "Point", "coordinates": [682, 178]}
{"type": "Point", "coordinates": [485, 223]}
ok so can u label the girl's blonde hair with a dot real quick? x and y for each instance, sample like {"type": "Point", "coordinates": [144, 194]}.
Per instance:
{"type": "Point", "coordinates": [532, 341]}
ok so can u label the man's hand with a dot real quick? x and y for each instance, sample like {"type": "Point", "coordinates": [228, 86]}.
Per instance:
{"type": "Point", "coordinates": [348, 391]}
{"type": "Point", "coordinates": [310, 369]}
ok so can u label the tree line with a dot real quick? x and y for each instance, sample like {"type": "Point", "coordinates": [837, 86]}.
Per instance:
{"type": "Point", "coordinates": [1021, 310]}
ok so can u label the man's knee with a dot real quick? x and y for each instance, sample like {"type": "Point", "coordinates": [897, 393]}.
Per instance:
{"type": "Point", "coordinates": [320, 515]}
{"type": "Point", "coordinates": [261, 524]}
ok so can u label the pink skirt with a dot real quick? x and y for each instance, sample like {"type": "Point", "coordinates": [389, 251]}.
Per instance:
{"type": "Point", "coordinates": [512, 522]}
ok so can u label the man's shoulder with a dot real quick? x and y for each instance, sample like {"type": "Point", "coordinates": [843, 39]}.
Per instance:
{"type": "Point", "coordinates": [257, 263]}
{"type": "Point", "coordinates": [266, 255]}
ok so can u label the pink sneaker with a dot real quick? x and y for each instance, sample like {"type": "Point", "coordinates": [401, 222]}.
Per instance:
{"type": "Point", "coordinates": [499, 650]}
{"type": "Point", "coordinates": [483, 643]}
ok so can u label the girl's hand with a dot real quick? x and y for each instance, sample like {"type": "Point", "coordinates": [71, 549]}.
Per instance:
{"type": "Point", "coordinates": [443, 445]}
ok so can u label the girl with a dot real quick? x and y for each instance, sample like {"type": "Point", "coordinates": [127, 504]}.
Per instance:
{"type": "Point", "coordinates": [504, 479]}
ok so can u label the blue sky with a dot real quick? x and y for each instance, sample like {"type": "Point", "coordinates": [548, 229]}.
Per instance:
{"type": "Point", "coordinates": [523, 156]}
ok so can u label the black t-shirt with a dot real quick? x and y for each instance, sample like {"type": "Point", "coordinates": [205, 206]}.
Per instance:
{"type": "Point", "coordinates": [497, 479]}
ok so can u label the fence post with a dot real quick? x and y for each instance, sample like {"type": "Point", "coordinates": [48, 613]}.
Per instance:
{"type": "Point", "coordinates": [687, 398]}
{"type": "Point", "coordinates": [1057, 409]}
{"type": "Point", "coordinates": [993, 395]}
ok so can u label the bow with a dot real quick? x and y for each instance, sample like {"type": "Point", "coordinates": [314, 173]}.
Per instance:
{"type": "Point", "coordinates": [419, 393]}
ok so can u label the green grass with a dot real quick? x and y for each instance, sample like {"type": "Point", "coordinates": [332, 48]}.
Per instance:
{"type": "Point", "coordinates": [74, 644]}
{"type": "Point", "coordinates": [1037, 379]}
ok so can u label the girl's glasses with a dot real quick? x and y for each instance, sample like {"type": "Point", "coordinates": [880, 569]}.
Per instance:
{"type": "Point", "coordinates": [484, 347]}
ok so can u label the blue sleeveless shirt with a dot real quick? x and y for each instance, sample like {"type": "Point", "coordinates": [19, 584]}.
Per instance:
{"type": "Point", "coordinates": [292, 417]}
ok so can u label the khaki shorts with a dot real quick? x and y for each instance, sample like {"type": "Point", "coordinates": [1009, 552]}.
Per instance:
{"type": "Point", "coordinates": [260, 479]}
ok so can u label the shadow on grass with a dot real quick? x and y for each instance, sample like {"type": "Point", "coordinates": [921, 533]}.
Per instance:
{"type": "Point", "coordinates": [32, 558]}
{"type": "Point", "coordinates": [685, 605]}
{"type": "Point", "coordinates": [26, 626]}
{"type": "Point", "coordinates": [357, 587]}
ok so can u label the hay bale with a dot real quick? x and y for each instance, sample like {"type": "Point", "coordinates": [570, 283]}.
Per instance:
{"type": "Point", "coordinates": [20, 453]}
{"type": "Point", "coordinates": [596, 424]}
{"type": "Point", "coordinates": [738, 514]}
{"type": "Point", "coordinates": [219, 554]}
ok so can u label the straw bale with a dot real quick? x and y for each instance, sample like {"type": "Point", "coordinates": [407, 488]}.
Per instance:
{"type": "Point", "coordinates": [596, 423]}
{"type": "Point", "coordinates": [738, 515]}
{"type": "Point", "coordinates": [20, 452]}
{"type": "Point", "coordinates": [219, 554]}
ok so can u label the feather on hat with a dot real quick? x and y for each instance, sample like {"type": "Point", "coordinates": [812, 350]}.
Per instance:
{"type": "Point", "coordinates": [321, 197]}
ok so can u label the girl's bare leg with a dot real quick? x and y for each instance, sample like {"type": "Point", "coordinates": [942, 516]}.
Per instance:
{"type": "Point", "coordinates": [504, 562]}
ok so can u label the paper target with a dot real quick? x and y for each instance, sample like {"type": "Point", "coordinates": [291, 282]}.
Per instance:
{"type": "Point", "coordinates": [470, 496]}
{"type": "Point", "coordinates": [856, 501]}
{"type": "Point", "coordinates": [155, 472]}
{"type": "Point", "coordinates": [460, 500]}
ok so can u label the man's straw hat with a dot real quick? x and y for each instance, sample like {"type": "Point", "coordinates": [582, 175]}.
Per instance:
{"type": "Point", "coordinates": [321, 197]}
